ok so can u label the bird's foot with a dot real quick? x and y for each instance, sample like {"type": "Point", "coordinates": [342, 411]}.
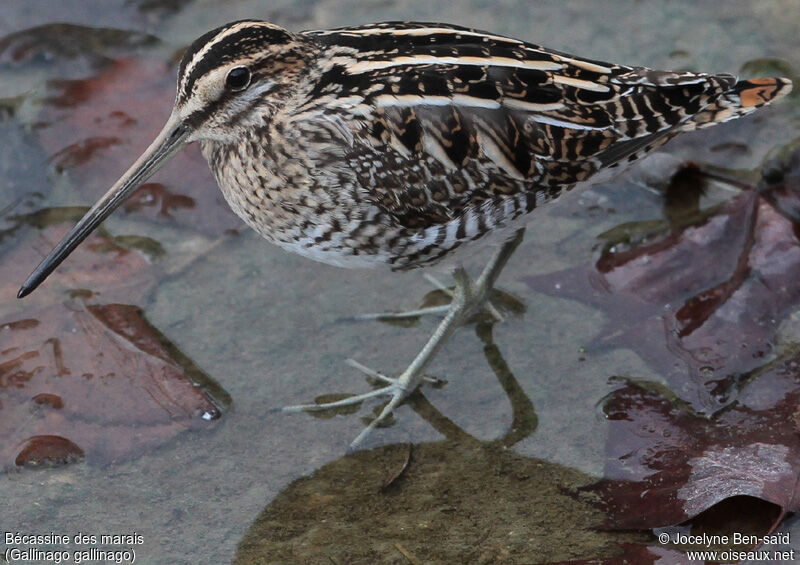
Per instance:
{"type": "Point", "coordinates": [396, 389]}
{"type": "Point", "coordinates": [486, 307]}
{"type": "Point", "coordinates": [468, 298]}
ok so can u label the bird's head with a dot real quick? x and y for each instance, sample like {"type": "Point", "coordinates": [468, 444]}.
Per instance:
{"type": "Point", "coordinates": [230, 80]}
{"type": "Point", "coordinates": [237, 76]}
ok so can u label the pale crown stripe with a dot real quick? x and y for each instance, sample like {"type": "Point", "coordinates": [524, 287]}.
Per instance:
{"type": "Point", "coordinates": [417, 31]}
{"type": "Point", "coordinates": [228, 32]}
{"type": "Point", "coordinates": [366, 66]}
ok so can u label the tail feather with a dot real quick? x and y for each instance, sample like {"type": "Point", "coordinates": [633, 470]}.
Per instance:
{"type": "Point", "coordinates": [756, 92]}
{"type": "Point", "coordinates": [744, 97]}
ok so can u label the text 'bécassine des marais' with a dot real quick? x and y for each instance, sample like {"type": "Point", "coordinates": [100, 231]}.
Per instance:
{"type": "Point", "coordinates": [52, 538]}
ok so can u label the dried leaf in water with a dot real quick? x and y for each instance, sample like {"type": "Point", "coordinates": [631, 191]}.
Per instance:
{"type": "Point", "coordinates": [95, 380]}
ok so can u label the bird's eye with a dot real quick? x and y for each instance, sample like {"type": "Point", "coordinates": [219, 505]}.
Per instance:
{"type": "Point", "coordinates": [237, 79]}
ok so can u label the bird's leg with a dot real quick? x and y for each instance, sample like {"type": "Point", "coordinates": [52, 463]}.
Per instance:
{"type": "Point", "coordinates": [485, 282]}
{"type": "Point", "coordinates": [461, 306]}
{"type": "Point", "coordinates": [467, 298]}
{"type": "Point", "coordinates": [399, 388]}
{"type": "Point", "coordinates": [486, 303]}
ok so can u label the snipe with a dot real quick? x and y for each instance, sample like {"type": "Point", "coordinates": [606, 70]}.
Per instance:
{"type": "Point", "coordinates": [394, 144]}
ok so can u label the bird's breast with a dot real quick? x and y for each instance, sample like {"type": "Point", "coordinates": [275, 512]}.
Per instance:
{"type": "Point", "coordinates": [293, 202]}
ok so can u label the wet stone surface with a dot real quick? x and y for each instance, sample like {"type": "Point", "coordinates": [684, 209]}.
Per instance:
{"type": "Point", "coordinates": [648, 357]}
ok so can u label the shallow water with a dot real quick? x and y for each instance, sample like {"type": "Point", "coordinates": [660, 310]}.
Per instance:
{"type": "Point", "coordinates": [269, 328]}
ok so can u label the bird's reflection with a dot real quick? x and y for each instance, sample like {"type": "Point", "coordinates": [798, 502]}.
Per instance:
{"type": "Point", "coordinates": [524, 419]}
{"type": "Point", "coordinates": [458, 500]}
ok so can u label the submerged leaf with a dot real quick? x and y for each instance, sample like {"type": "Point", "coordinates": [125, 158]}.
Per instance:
{"type": "Point", "coordinates": [667, 464]}
{"type": "Point", "coordinates": [80, 375]}
{"type": "Point", "coordinates": [92, 379]}
{"type": "Point", "coordinates": [702, 302]}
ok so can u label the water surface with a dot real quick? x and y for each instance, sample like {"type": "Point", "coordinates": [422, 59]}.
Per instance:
{"type": "Point", "coordinates": [79, 102]}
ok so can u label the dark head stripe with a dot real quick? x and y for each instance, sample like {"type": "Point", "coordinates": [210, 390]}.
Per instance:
{"type": "Point", "coordinates": [198, 44]}
{"type": "Point", "coordinates": [248, 39]}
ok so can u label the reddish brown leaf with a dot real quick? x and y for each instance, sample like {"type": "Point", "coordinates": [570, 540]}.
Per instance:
{"type": "Point", "coordinates": [666, 464]}
{"type": "Point", "coordinates": [81, 378]}
{"type": "Point", "coordinates": [92, 379]}
{"type": "Point", "coordinates": [702, 305]}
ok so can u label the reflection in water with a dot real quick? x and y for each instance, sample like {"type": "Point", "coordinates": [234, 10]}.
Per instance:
{"type": "Point", "coordinates": [460, 500]}
{"type": "Point", "coordinates": [524, 418]}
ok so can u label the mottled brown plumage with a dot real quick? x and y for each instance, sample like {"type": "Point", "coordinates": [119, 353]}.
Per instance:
{"type": "Point", "coordinates": [396, 143]}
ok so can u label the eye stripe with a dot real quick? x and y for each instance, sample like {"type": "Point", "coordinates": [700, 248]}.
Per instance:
{"type": "Point", "coordinates": [197, 117]}
{"type": "Point", "coordinates": [225, 44]}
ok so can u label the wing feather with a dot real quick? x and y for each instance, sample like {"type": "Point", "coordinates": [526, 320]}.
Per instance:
{"type": "Point", "coordinates": [452, 117]}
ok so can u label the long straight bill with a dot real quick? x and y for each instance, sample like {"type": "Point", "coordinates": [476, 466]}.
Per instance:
{"type": "Point", "coordinates": [169, 141]}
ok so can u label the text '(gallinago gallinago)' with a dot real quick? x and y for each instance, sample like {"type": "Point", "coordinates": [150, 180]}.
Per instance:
{"type": "Point", "coordinates": [394, 144]}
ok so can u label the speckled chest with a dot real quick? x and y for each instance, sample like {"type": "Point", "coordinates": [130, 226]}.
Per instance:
{"type": "Point", "coordinates": [300, 194]}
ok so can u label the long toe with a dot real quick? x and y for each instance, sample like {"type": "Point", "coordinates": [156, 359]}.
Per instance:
{"type": "Point", "coordinates": [388, 316]}
{"type": "Point", "coordinates": [349, 401]}
{"type": "Point", "coordinates": [399, 394]}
